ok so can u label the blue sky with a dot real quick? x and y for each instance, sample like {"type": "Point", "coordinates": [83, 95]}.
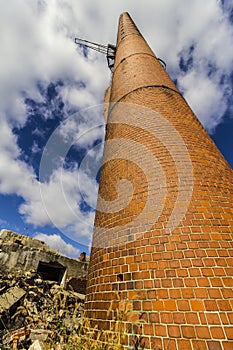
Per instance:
{"type": "Point", "coordinates": [51, 94]}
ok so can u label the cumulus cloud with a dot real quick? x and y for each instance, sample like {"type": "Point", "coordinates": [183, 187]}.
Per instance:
{"type": "Point", "coordinates": [205, 96]}
{"type": "Point", "coordinates": [54, 202]}
{"type": "Point", "coordinates": [37, 46]}
{"type": "Point", "coordinates": [56, 242]}
{"type": "Point", "coordinates": [58, 202]}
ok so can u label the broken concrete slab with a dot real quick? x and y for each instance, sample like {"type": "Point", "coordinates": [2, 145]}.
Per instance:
{"type": "Point", "coordinates": [37, 345]}
{"type": "Point", "coordinates": [10, 297]}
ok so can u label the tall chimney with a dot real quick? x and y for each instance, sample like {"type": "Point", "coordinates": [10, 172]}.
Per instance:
{"type": "Point", "coordinates": [163, 233]}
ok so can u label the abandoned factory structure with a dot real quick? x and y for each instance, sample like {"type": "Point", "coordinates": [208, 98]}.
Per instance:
{"type": "Point", "coordinates": [23, 253]}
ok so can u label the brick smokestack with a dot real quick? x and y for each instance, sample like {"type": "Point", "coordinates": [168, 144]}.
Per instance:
{"type": "Point", "coordinates": [164, 220]}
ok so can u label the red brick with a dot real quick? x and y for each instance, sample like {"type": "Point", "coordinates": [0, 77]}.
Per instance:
{"type": "Point", "coordinates": [186, 263]}
{"type": "Point", "coordinates": [217, 332]}
{"type": "Point", "coordinates": [147, 305]}
{"type": "Point", "coordinates": [224, 305]}
{"type": "Point", "coordinates": [166, 317]}
{"type": "Point", "coordinates": [167, 283]}
{"type": "Point", "coordinates": [214, 345]}
{"type": "Point", "coordinates": [190, 282]}
{"type": "Point", "coordinates": [209, 262]}
{"type": "Point", "coordinates": [192, 318]}
{"type": "Point", "coordinates": [229, 332]}
{"type": "Point", "coordinates": [214, 293]}
{"type": "Point", "coordinates": [227, 293]}
{"type": "Point", "coordinates": [179, 317]}
{"type": "Point", "coordinates": [156, 343]}
{"type": "Point", "coordinates": [151, 294]}
{"type": "Point", "coordinates": [174, 264]}
{"type": "Point", "coordinates": [160, 330]}
{"type": "Point", "coordinates": [183, 305]}
{"type": "Point", "coordinates": [224, 318]}
{"type": "Point", "coordinates": [139, 284]}
{"type": "Point", "coordinates": [199, 345]}
{"type": "Point", "coordinates": [157, 305]}
{"type": "Point", "coordinates": [142, 295]}
{"type": "Point", "coordinates": [177, 282]}
{"type": "Point", "coordinates": [197, 305]}
{"type": "Point", "coordinates": [169, 344]}
{"type": "Point", "coordinates": [182, 273]}
{"type": "Point", "coordinates": [148, 329]}
{"type": "Point", "coordinates": [200, 293]}
{"type": "Point", "coordinates": [162, 264]}
{"type": "Point", "coordinates": [194, 272]}
{"type": "Point", "coordinates": [146, 341]}
{"type": "Point", "coordinates": [230, 316]}
{"type": "Point", "coordinates": [203, 332]}
{"type": "Point", "coordinates": [137, 305]}
{"type": "Point", "coordinates": [228, 281]}
{"type": "Point", "coordinates": [174, 331]}
{"type": "Point", "coordinates": [203, 282]}
{"type": "Point", "coordinates": [207, 272]}
{"type": "Point", "coordinates": [227, 345]}
{"type": "Point", "coordinates": [216, 282]}
{"type": "Point", "coordinates": [202, 317]}
{"type": "Point", "coordinates": [175, 293]}
{"type": "Point", "coordinates": [159, 274]}
{"type": "Point", "coordinates": [170, 305]}
{"type": "Point", "coordinates": [212, 318]}
{"type": "Point", "coordinates": [187, 293]}
{"type": "Point", "coordinates": [148, 284]}
{"type": "Point", "coordinates": [144, 317]}
{"type": "Point", "coordinates": [184, 344]}
{"type": "Point", "coordinates": [218, 271]}
{"type": "Point", "coordinates": [162, 293]}
{"type": "Point", "coordinates": [211, 305]}
{"type": "Point", "coordinates": [188, 331]}
{"type": "Point", "coordinates": [154, 317]}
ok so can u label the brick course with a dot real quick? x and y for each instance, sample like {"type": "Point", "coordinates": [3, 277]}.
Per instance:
{"type": "Point", "coordinates": [180, 279]}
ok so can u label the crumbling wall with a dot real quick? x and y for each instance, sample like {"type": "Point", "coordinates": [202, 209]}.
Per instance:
{"type": "Point", "coordinates": [22, 253]}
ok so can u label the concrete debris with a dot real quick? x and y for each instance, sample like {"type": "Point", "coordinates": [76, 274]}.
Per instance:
{"type": "Point", "coordinates": [37, 345]}
{"type": "Point", "coordinates": [9, 298]}
{"type": "Point", "coordinates": [39, 303]}
{"type": "Point", "coordinates": [33, 308]}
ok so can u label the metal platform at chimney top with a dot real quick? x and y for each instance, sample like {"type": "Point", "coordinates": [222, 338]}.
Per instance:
{"type": "Point", "coordinates": [108, 50]}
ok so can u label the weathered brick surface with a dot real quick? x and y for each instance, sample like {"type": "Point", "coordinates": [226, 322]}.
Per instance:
{"type": "Point", "coordinates": [179, 280]}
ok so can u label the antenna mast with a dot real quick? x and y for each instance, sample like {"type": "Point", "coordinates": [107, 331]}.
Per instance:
{"type": "Point", "coordinates": [108, 50]}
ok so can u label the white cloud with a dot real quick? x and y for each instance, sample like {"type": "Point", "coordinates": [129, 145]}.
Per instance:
{"type": "Point", "coordinates": [205, 96]}
{"type": "Point", "coordinates": [57, 202]}
{"type": "Point", "coordinates": [56, 242]}
{"type": "Point", "coordinates": [37, 44]}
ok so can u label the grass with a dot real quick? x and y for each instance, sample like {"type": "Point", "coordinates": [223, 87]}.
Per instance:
{"type": "Point", "coordinates": [67, 331]}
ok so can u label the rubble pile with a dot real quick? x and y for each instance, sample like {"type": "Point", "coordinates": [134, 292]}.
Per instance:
{"type": "Point", "coordinates": [24, 253]}
{"type": "Point", "coordinates": [33, 308]}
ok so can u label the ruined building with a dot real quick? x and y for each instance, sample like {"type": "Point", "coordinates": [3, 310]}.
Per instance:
{"type": "Point", "coordinates": [23, 253]}
{"type": "Point", "coordinates": [36, 282]}
{"type": "Point", "coordinates": [164, 221]}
